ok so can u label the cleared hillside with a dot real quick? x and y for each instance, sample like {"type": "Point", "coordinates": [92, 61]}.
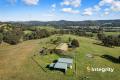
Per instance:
{"type": "Point", "coordinates": [16, 62]}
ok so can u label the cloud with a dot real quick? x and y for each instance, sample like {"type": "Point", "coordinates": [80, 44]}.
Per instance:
{"type": "Point", "coordinates": [53, 6]}
{"type": "Point", "coordinates": [88, 11]}
{"type": "Point", "coordinates": [104, 2]}
{"type": "Point", "coordinates": [106, 13]}
{"type": "Point", "coordinates": [70, 10]}
{"type": "Point", "coordinates": [31, 2]}
{"type": "Point", "coordinates": [112, 5]}
{"type": "Point", "coordinates": [73, 3]}
{"type": "Point", "coordinates": [96, 8]}
{"type": "Point", "coordinates": [106, 9]}
{"type": "Point", "coordinates": [115, 6]}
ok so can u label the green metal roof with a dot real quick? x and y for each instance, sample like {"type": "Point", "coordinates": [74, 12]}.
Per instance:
{"type": "Point", "coordinates": [65, 60]}
{"type": "Point", "coordinates": [59, 65]}
{"type": "Point", "coordinates": [62, 63]}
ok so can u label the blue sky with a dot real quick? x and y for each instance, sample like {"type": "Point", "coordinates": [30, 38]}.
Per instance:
{"type": "Point", "coordinates": [49, 10]}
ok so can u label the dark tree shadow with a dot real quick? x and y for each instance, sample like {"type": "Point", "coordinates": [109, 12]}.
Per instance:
{"type": "Point", "coordinates": [111, 58]}
{"type": "Point", "coordinates": [54, 69]}
{"type": "Point", "coordinates": [101, 44]}
{"type": "Point", "coordinates": [54, 61]}
{"type": "Point", "coordinates": [98, 44]}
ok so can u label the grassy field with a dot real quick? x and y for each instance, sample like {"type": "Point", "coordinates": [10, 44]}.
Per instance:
{"type": "Point", "coordinates": [18, 63]}
{"type": "Point", "coordinates": [27, 32]}
{"type": "Point", "coordinates": [49, 28]}
{"type": "Point", "coordinates": [112, 33]}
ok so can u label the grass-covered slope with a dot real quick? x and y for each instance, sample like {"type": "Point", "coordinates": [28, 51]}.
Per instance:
{"type": "Point", "coordinates": [16, 62]}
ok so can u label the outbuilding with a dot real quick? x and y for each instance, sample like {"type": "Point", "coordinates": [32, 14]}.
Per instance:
{"type": "Point", "coordinates": [62, 63]}
{"type": "Point", "coordinates": [62, 46]}
{"type": "Point", "coordinates": [68, 61]}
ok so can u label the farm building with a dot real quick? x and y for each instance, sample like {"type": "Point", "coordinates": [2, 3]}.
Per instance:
{"type": "Point", "coordinates": [62, 63]}
{"type": "Point", "coordinates": [62, 46]}
{"type": "Point", "coordinates": [67, 61]}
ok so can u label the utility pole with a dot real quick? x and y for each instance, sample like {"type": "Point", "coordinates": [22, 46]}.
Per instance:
{"type": "Point", "coordinates": [75, 64]}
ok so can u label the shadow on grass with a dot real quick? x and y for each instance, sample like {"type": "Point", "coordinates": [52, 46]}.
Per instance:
{"type": "Point", "coordinates": [111, 58]}
{"type": "Point", "coordinates": [64, 56]}
{"type": "Point", "coordinates": [54, 69]}
{"type": "Point", "coordinates": [101, 44]}
{"type": "Point", "coordinates": [98, 44]}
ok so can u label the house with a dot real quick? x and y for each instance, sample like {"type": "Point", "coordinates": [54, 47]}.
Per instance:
{"type": "Point", "coordinates": [62, 63]}
{"type": "Point", "coordinates": [62, 46]}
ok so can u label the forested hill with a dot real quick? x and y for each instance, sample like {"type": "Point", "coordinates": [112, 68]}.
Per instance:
{"type": "Point", "coordinates": [64, 23]}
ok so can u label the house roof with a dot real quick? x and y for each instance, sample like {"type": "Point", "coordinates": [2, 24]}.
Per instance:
{"type": "Point", "coordinates": [59, 65]}
{"type": "Point", "coordinates": [62, 46]}
{"type": "Point", "coordinates": [65, 60]}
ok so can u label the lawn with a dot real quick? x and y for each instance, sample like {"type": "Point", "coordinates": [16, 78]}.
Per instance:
{"type": "Point", "coordinates": [17, 61]}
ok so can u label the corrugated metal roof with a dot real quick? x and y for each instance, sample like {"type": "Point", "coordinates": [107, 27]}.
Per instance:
{"type": "Point", "coordinates": [59, 65]}
{"type": "Point", "coordinates": [65, 60]}
{"type": "Point", "coordinates": [62, 46]}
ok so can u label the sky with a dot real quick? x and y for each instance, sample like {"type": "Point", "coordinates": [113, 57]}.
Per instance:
{"type": "Point", "coordinates": [54, 10]}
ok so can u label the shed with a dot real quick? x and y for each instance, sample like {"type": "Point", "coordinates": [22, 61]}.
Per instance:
{"type": "Point", "coordinates": [62, 46]}
{"type": "Point", "coordinates": [68, 61]}
{"type": "Point", "coordinates": [62, 63]}
{"type": "Point", "coordinates": [59, 65]}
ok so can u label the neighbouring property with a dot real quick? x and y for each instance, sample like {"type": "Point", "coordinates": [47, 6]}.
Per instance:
{"type": "Point", "coordinates": [62, 64]}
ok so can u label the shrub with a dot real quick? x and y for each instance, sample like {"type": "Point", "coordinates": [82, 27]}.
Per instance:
{"type": "Point", "coordinates": [111, 41]}
{"type": "Point", "coordinates": [101, 36]}
{"type": "Point", "coordinates": [1, 38]}
{"type": "Point", "coordinates": [13, 37]}
{"type": "Point", "coordinates": [75, 43]}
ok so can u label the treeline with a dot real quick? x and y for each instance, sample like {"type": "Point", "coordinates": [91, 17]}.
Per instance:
{"type": "Point", "coordinates": [14, 35]}
{"type": "Point", "coordinates": [37, 34]}
{"type": "Point", "coordinates": [109, 40]}
{"type": "Point", "coordinates": [66, 24]}
{"type": "Point", "coordinates": [78, 32]}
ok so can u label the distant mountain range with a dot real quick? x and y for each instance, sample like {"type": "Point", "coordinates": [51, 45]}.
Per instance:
{"type": "Point", "coordinates": [64, 23]}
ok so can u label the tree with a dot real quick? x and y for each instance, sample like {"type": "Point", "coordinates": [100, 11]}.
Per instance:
{"type": "Point", "coordinates": [57, 40]}
{"type": "Point", "coordinates": [13, 37]}
{"type": "Point", "coordinates": [69, 39]}
{"type": "Point", "coordinates": [41, 33]}
{"type": "Point", "coordinates": [108, 41]}
{"type": "Point", "coordinates": [1, 38]}
{"type": "Point", "coordinates": [101, 36]}
{"type": "Point", "coordinates": [75, 43]}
